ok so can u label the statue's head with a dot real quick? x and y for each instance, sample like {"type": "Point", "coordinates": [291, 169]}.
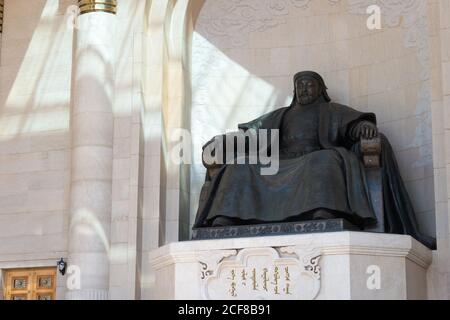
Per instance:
{"type": "Point", "coordinates": [309, 87]}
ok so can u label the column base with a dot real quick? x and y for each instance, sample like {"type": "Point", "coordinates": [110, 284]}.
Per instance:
{"type": "Point", "coordinates": [87, 295]}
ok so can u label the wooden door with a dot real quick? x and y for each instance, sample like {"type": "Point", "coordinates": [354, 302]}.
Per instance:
{"type": "Point", "coordinates": [30, 284]}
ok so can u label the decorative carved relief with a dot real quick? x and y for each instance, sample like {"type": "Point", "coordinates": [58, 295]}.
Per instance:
{"type": "Point", "coordinates": [263, 273]}
{"type": "Point", "coordinates": [310, 259]}
{"type": "Point", "coordinates": [212, 259]}
{"type": "Point", "coordinates": [235, 19]}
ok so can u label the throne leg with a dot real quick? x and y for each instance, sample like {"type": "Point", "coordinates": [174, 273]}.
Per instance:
{"type": "Point", "coordinates": [376, 194]}
{"type": "Point", "coordinates": [371, 150]}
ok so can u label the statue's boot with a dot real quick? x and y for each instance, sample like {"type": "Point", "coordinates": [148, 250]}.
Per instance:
{"type": "Point", "coordinates": [223, 222]}
{"type": "Point", "coordinates": [322, 214]}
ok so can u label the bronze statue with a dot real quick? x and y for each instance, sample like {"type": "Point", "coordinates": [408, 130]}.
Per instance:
{"type": "Point", "coordinates": [320, 176]}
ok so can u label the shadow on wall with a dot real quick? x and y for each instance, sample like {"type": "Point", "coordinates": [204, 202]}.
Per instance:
{"type": "Point", "coordinates": [245, 53]}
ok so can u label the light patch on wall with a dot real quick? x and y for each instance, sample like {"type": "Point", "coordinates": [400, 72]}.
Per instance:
{"type": "Point", "coordinates": [85, 223]}
{"type": "Point", "coordinates": [36, 122]}
{"type": "Point", "coordinates": [118, 254]}
{"type": "Point", "coordinates": [50, 9]}
{"type": "Point", "coordinates": [225, 94]}
{"type": "Point", "coordinates": [37, 75]}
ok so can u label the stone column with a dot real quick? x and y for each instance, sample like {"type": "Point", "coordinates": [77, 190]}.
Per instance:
{"type": "Point", "coordinates": [92, 149]}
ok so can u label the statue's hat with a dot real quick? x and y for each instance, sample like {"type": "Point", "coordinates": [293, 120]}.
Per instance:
{"type": "Point", "coordinates": [316, 76]}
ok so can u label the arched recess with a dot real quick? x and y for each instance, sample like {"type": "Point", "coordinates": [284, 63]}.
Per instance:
{"type": "Point", "coordinates": [168, 29]}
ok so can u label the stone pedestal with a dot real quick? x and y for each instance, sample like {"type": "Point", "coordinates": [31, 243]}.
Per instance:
{"type": "Point", "coordinates": [341, 265]}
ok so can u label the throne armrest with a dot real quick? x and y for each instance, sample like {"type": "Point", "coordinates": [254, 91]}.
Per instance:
{"type": "Point", "coordinates": [371, 153]}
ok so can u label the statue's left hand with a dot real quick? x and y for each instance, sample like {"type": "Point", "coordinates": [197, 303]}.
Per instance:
{"type": "Point", "coordinates": [364, 130]}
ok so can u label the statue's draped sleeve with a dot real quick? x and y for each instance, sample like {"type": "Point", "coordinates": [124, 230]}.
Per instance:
{"type": "Point", "coordinates": [335, 122]}
{"type": "Point", "coordinates": [272, 120]}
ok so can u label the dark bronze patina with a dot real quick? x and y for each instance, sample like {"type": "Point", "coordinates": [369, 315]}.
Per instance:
{"type": "Point", "coordinates": [334, 164]}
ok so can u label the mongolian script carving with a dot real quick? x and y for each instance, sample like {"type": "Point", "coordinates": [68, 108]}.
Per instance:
{"type": "Point", "coordinates": [264, 273]}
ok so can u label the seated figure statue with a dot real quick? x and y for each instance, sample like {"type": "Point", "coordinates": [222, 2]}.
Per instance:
{"type": "Point", "coordinates": [320, 174]}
